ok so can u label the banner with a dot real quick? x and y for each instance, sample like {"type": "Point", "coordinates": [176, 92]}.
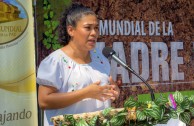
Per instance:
{"type": "Point", "coordinates": [18, 99]}
{"type": "Point", "coordinates": [154, 38]}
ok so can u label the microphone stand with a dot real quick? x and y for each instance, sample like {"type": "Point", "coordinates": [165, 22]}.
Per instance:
{"type": "Point", "coordinates": [109, 53]}
{"type": "Point", "coordinates": [151, 90]}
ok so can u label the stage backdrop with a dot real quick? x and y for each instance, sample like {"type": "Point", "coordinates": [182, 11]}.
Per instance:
{"type": "Point", "coordinates": [18, 100]}
{"type": "Point", "coordinates": [154, 37]}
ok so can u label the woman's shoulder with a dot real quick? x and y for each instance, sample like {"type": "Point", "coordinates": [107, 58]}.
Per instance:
{"type": "Point", "coordinates": [54, 56]}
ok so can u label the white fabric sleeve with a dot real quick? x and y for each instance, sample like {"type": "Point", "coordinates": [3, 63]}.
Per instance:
{"type": "Point", "coordinates": [49, 73]}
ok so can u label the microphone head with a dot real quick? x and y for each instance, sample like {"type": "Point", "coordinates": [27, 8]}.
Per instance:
{"type": "Point", "coordinates": [107, 52]}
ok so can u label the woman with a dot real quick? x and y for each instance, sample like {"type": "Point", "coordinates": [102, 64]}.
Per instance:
{"type": "Point", "coordinates": [75, 78]}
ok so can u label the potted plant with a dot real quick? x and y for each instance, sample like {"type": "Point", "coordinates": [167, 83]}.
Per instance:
{"type": "Point", "coordinates": [136, 113]}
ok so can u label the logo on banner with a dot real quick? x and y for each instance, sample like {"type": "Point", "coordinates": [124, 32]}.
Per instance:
{"type": "Point", "coordinates": [13, 20]}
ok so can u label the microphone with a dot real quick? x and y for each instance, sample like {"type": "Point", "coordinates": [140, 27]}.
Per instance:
{"type": "Point", "coordinates": [109, 53]}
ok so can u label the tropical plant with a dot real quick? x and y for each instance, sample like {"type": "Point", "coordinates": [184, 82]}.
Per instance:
{"type": "Point", "coordinates": [50, 35]}
{"type": "Point", "coordinates": [136, 113]}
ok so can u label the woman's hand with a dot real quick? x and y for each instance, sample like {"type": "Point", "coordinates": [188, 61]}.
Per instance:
{"type": "Point", "coordinates": [115, 89]}
{"type": "Point", "coordinates": [101, 93]}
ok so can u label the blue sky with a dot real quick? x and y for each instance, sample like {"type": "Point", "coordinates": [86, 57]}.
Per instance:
{"type": "Point", "coordinates": [15, 3]}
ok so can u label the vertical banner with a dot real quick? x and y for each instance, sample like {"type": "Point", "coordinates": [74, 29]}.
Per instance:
{"type": "Point", "coordinates": [18, 100]}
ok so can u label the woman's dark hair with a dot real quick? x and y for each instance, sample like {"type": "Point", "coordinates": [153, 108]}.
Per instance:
{"type": "Point", "coordinates": [70, 17]}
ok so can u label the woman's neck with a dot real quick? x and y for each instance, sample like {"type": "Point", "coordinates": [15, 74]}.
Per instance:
{"type": "Point", "coordinates": [79, 55]}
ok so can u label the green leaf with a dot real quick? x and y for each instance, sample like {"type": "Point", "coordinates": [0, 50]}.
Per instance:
{"type": "Point", "coordinates": [93, 121]}
{"type": "Point", "coordinates": [141, 115]}
{"type": "Point", "coordinates": [179, 109]}
{"type": "Point", "coordinates": [45, 16]}
{"type": "Point", "coordinates": [185, 117]}
{"type": "Point", "coordinates": [56, 46]}
{"type": "Point", "coordinates": [185, 104]}
{"type": "Point", "coordinates": [154, 122]}
{"type": "Point", "coordinates": [164, 120]}
{"type": "Point", "coordinates": [106, 111]}
{"type": "Point", "coordinates": [153, 105]}
{"type": "Point", "coordinates": [56, 37]}
{"type": "Point", "coordinates": [45, 42]}
{"type": "Point", "coordinates": [67, 2]}
{"type": "Point", "coordinates": [191, 98]}
{"type": "Point", "coordinates": [48, 46]}
{"type": "Point", "coordinates": [50, 31]}
{"type": "Point", "coordinates": [178, 97]}
{"type": "Point", "coordinates": [51, 36]}
{"type": "Point", "coordinates": [122, 113]}
{"type": "Point", "coordinates": [108, 124]}
{"type": "Point", "coordinates": [81, 122]}
{"type": "Point", "coordinates": [117, 121]}
{"type": "Point", "coordinates": [130, 103]}
{"type": "Point", "coordinates": [49, 26]}
{"type": "Point", "coordinates": [45, 8]}
{"type": "Point", "coordinates": [51, 14]}
{"type": "Point", "coordinates": [105, 122]}
{"type": "Point", "coordinates": [55, 41]}
{"type": "Point", "coordinates": [192, 111]}
{"type": "Point", "coordinates": [155, 113]}
{"type": "Point", "coordinates": [54, 24]}
{"type": "Point", "coordinates": [47, 33]}
{"type": "Point", "coordinates": [173, 114]}
{"type": "Point", "coordinates": [161, 100]}
{"type": "Point", "coordinates": [46, 22]}
{"type": "Point", "coordinates": [49, 7]}
{"type": "Point", "coordinates": [45, 2]}
{"type": "Point", "coordinates": [162, 110]}
{"type": "Point", "coordinates": [70, 119]}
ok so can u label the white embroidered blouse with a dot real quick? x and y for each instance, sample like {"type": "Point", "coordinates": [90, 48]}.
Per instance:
{"type": "Point", "coordinates": [60, 71]}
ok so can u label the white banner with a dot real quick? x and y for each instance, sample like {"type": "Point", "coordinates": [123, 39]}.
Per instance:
{"type": "Point", "coordinates": [18, 100]}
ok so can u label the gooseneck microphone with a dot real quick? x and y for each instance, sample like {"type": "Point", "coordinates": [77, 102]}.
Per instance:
{"type": "Point", "coordinates": [109, 53]}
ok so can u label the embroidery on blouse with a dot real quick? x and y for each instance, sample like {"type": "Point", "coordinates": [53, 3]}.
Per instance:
{"type": "Point", "coordinates": [74, 86]}
{"type": "Point", "coordinates": [65, 61]}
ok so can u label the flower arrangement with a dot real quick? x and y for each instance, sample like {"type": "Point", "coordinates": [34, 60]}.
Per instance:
{"type": "Point", "coordinates": [136, 113]}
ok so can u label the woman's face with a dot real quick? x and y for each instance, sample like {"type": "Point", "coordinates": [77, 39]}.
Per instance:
{"type": "Point", "coordinates": [85, 34]}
